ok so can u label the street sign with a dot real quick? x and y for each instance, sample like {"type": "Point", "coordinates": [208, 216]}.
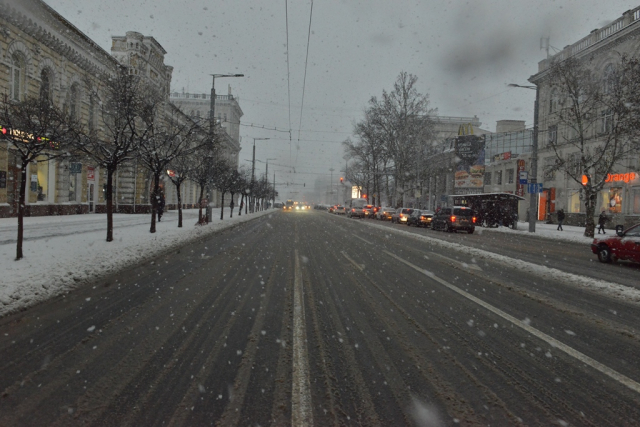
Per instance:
{"type": "Point", "coordinates": [535, 188]}
{"type": "Point", "coordinates": [75, 168]}
{"type": "Point", "coordinates": [523, 177]}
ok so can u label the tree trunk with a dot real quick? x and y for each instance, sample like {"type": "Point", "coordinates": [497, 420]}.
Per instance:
{"type": "Point", "coordinates": [154, 202]}
{"type": "Point", "coordinates": [590, 205]}
{"type": "Point", "coordinates": [246, 204]}
{"type": "Point", "coordinates": [109, 201]}
{"type": "Point", "coordinates": [21, 206]}
{"type": "Point", "coordinates": [201, 220]}
{"type": "Point", "coordinates": [222, 206]}
{"type": "Point", "coordinates": [231, 206]}
{"type": "Point", "coordinates": [179, 204]}
{"type": "Point", "coordinates": [241, 204]}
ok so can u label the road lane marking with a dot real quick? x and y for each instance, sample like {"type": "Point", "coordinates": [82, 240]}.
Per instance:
{"type": "Point", "coordinates": [622, 379]}
{"type": "Point", "coordinates": [301, 412]}
{"type": "Point", "coordinates": [471, 265]}
{"type": "Point", "coordinates": [366, 241]}
{"type": "Point", "coordinates": [358, 266]}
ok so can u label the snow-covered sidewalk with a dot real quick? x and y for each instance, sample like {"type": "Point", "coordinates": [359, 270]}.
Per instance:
{"type": "Point", "coordinates": [570, 233]}
{"type": "Point", "coordinates": [62, 252]}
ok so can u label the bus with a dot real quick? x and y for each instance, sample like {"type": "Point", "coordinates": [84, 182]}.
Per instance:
{"type": "Point", "coordinates": [288, 206]}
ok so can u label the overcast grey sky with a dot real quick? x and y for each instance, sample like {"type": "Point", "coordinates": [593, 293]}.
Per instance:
{"type": "Point", "coordinates": [464, 54]}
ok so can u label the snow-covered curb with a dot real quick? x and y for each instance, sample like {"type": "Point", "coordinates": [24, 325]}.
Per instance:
{"type": "Point", "coordinates": [56, 265]}
{"type": "Point", "coordinates": [614, 290]}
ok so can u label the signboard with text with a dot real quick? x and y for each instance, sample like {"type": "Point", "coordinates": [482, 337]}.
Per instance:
{"type": "Point", "coordinates": [91, 174]}
{"type": "Point", "coordinates": [520, 185]}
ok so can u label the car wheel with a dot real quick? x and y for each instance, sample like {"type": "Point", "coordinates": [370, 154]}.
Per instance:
{"type": "Point", "coordinates": [446, 228]}
{"type": "Point", "coordinates": [471, 230]}
{"type": "Point", "coordinates": [604, 254]}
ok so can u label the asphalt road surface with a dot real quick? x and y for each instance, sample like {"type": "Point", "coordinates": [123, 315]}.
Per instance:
{"type": "Point", "coordinates": [309, 319]}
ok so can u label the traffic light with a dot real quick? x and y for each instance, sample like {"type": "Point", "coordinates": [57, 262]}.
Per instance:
{"type": "Point", "coordinates": [341, 180]}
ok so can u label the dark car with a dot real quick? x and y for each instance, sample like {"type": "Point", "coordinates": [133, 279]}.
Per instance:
{"type": "Point", "coordinates": [455, 219]}
{"type": "Point", "coordinates": [623, 245]}
{"type": "Point", "coordinates": [420, 218]}
{"type": "Point", "coordinates": [401, 215]}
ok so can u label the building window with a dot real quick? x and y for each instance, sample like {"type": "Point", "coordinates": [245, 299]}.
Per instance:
{"type": "Point", "coordinates": [498, 177]}
{"type": "Point", "coordinates": [73, 101]}
{"type": "Point", "coordinates": [510, 176]}
{"type": "Point", "coordinates": [487, 178]}
{"type": "Point", "coordinates": [17, 76]}
{"type": "Point", "coordinates": [549, 170]}
{"type": "Point", "coordinates": [45, 85]}
{"type": "Point", "coordinates": [636, 200]}
{"type": "Point", "coordinates": [41, 166]}
{"type": "Point", "coordinates": [611, 200]}
{"type": "Point", "coordinates": [573, 203]}
{"type": "Point", "coordinates": [608, 79]}
{"type": "Point", "coordinates": [606, 121]}
{"type": "Point", "coordinates": [552, 135]}
{"type": "Point", "coordinates": [92, 113]}
{"type": "Point", "coordinates": [553, 102]}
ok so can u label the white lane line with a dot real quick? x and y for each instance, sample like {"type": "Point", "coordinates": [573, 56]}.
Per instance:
{"type": "Point", "coordinates": [625, 293]}
{"type": "Point", "coordinates": [366, 241]}
{"type": "Point", "coordinates": [622, 379]}
{"type": "Point", "coordinates": [301, 409]}
{"type": "Point", "coordinates": [471, 266]}
{"type": "Point", "coordinates": [358, 266]}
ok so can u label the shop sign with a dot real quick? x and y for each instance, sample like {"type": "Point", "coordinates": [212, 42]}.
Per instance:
{"type": "Point", "coordinates": [519, 186]}
{"type": "Point", "coordinates": [91, 174]}
{"type": "Point", "coordinates": [618, 177]}
{"type": "Point", "coordinates": [75, 168]}
{"type": "Point", "coordinates": [502, 156]}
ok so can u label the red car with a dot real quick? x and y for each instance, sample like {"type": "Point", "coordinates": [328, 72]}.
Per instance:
{"type": "Point", "coordinates": [623, 245]}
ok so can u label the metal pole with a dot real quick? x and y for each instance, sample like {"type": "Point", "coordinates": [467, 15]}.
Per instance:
{"type": "Point", "coordinates": [331, 192]}
{"type": "Point", "coordinates": [533, 174]}
{"type": "Point", "coordinates": [212, 127]}
{"type": "Point", "coordinates": [253, 169]}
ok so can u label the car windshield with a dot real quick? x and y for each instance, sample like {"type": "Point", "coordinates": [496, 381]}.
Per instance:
{"type": "Point", "coordinates": [173, 250]}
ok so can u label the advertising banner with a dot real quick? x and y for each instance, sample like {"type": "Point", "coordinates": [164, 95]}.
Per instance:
{"type": "Point", "coordinates": [470, 169]}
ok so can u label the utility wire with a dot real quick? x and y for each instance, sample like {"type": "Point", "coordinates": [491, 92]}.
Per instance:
{"type": "Point", "coordinates": [286, 13]}
{"type": "Point", "coordinates": [304, 81]}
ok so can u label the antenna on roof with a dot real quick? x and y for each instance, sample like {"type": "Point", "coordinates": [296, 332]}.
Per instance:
{"type": "Point", "coordinates": [544, 44]}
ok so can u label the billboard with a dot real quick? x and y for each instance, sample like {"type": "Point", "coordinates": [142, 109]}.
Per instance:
{"type": "Point", "coordinates": [470, 167]}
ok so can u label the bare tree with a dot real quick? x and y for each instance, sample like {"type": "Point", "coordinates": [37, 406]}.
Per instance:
{"type": "Point", "coordinates": [594, 124]}
{"type": "Point", "coordinates": [180, 170]}
{"type": "Point", "coordinates": [118, 140]}
{"type": "Point", "coordinates": [38, 131]}
{"type": "Point", "coordinates": [171, 136]}
{"type": "Point", "coordinates": [401, 120]}
{"type": "Point", "coordinates": [223, 181]}
{"type": "Point", "coordinates": [202, 173]}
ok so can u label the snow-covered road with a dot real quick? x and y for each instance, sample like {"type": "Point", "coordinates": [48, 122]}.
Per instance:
{"type": "Point", "coordinates": [61, 252]}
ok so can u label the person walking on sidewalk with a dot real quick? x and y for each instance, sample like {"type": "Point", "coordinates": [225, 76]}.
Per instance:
{"type": "Point", "coordinates": [560, 219]}
{"type": "Point", "coordinates": [602, 220]}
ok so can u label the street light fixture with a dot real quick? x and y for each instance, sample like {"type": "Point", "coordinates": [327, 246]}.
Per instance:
{"type": "Point", "coordinates": [533, 175]}
{"type": "Point", "coordinates": [212, 127]}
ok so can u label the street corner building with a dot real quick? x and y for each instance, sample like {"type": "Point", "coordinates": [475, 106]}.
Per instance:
{"type": "Point", "coordinates": [43, 54]}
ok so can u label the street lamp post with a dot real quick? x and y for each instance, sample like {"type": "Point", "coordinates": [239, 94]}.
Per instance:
{"type": "Point", "coordinates": [533, 174]}
{"type": "Point", "coordinates": [331, 192]}
{"type": "Point", "coordinates": [212, 127]}
{"type": "Point", "coordinates": [266, 174]}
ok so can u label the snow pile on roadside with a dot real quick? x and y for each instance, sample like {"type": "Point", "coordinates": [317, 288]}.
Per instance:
{"type": "Point", "coordinates": [54, 265]}
{"type": "Point", "coordinates": [615, 290]}
{"type": "Point", "coordinates": [570, 233]}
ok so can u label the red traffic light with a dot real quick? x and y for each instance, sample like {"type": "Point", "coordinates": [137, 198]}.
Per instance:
{"type": "Point", "coordinates": [341, 179]}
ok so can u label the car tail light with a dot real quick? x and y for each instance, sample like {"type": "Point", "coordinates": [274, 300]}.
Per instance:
{"type": "Point", "coordinates": [453, 218]}
{"type": "Point", "coordinates": [423, 217]}
{"type": "Point", "coordinates": [474, 219]}
{"type": "Point", "coordinates": [401, 215]}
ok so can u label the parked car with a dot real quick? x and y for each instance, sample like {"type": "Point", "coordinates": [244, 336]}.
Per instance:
{"type": "Point", "coordinates": [401, 215]}
{"type": "Point", "coordinates": [385, 213]}
{"type": "Point", "coordinates": [332, 209]}
{"type": "Point", "coordinates": [455, 219]}
{"type": "Point", "coordinates": [340, 210]}
{"type": "Point", "coordinates": [625, 244]}
{"type": "Point", "coordinates": [420, 218]}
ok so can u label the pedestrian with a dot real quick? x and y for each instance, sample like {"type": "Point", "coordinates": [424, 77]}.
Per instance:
{"type": "Point", "coordinates": [160, 204]}
{"type": "Point", "coordinates": [602, 219]}
{"type": "Point", "coordinates": [560, 219]}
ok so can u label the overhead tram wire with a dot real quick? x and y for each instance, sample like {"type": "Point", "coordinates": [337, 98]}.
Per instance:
{"type": "Point", "coordinates": [286, 13]}
{"type": "Point", "coordinates": [304, 80]}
